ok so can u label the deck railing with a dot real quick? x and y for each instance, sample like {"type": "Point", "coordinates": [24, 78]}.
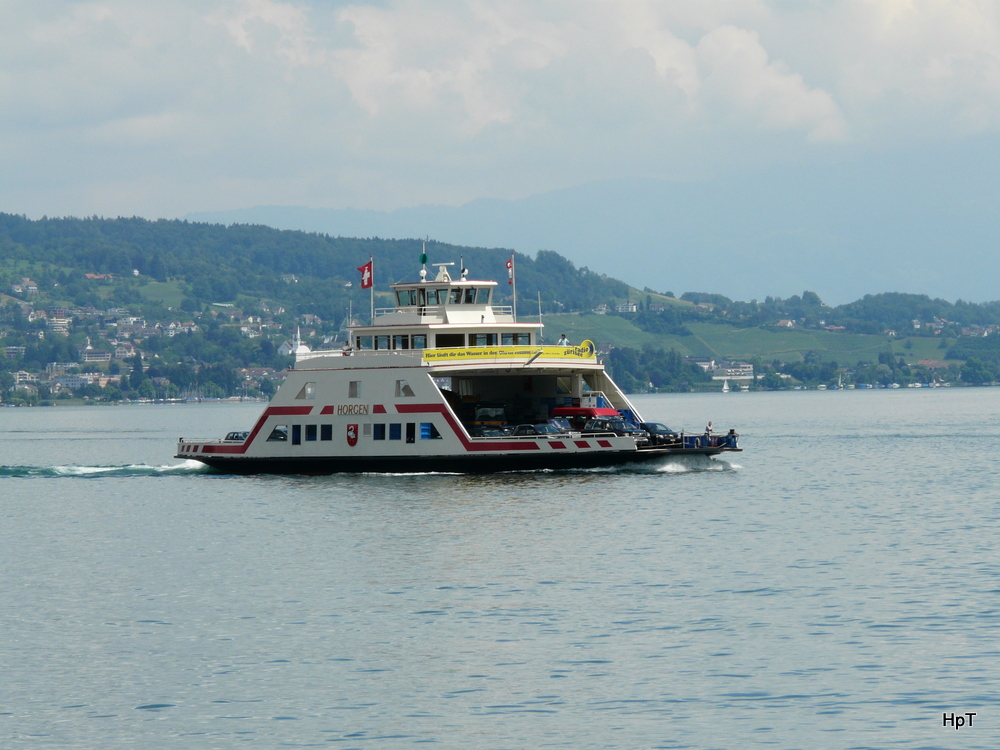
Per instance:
{"type": "Point", "coordinates": [436, 311]}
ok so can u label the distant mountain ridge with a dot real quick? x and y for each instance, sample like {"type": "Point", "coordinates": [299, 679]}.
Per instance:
{"type": "Point", "coordinates": [844, 229]}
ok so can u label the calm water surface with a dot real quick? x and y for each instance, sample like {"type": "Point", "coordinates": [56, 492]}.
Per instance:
{"type": "Point", "coordinates": [835, 586]}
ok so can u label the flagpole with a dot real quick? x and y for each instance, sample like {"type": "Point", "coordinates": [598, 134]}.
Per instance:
{"type": "Point", "coordinates": [540, 326]}
{"type": "Point", "coordinates": [513, 282]}
{"type": "Point", "coordinates": [371, 289]}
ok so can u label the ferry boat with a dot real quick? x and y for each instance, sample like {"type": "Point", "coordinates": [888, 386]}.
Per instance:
{"type": "Point", "coordinates": [445, 381]}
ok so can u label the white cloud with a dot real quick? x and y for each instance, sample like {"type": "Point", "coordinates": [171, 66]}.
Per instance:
{"type": "Point", "coordinates": [739, 75]}
{"type": "Point", "coordinates": [114, 106]}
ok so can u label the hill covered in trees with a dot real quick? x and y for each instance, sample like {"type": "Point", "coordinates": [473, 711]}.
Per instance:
{"type": "Point", "coordinates": [176, 307]}
{"type": "Point", "coordinates": [214, 263]}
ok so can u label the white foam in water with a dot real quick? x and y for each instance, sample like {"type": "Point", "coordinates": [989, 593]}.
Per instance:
{"type": "Point", "coordinates": [186, 465]}
{"type": "Point", "coordinates": [687, 464]}
{"type": "Point", "coordinates": [142, 469]}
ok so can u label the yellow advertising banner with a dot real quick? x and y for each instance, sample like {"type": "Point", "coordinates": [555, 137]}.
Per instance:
{"type": "Point", "coordinates": [584, 350]}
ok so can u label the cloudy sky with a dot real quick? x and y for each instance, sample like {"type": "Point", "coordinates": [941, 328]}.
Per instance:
{"type": "Point", "coordinates": [166, 107]}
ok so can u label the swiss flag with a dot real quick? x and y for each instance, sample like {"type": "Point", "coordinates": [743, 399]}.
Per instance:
{"type": "Point", "coordinates": [366, 275]}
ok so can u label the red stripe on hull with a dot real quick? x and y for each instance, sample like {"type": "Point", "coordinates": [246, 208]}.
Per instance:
{"type": "Point", "coordinates": [271, 411]}
{"type": "Point", "coordinates": [460, 432]}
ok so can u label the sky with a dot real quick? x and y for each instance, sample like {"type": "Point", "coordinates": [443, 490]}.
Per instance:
{"type": "Point", "coordinates": [174, 107]}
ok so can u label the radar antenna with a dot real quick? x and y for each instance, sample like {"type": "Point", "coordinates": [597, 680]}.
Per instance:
{"type": "Point", "coordinates": [443, 274]}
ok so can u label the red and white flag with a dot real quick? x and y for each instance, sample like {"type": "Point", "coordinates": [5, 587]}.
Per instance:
{"type": "Point", "coordinates": [366, 275]}
{"type": "Point", "coordinates": [510, 270]}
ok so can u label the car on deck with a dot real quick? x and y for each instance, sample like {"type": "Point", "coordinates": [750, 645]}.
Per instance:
{"type": "Point", "coordinates": [659, 433]}
{"type": "Point", "coordinates": [616, 426]}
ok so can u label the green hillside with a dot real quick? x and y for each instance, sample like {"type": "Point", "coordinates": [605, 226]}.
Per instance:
{"type": "Point", "coordinates": [729, 343]}
{"type": "Point", "coordinates": [235, 293]}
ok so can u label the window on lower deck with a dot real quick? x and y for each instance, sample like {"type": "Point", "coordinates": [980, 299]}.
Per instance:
{"type": "Point", "coordinates": [429, 432]}
{"type": "Point", "coordinates": [450, 340]}
{"type": "Point", "coordinates": [310, 433]}
{"type": "Point", "coordinates": [482, 339]}
{"type": "Point", "coordinates": [279, 433]}
{"type": "Point", "coordinates": [515, 339]}
{"type": "Point", "coordinates": [395, 431]}
{"type": "Point", "coordinates": [326, 432]}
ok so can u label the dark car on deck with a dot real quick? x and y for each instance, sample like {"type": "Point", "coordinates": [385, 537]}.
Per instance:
{"type": "Point", "coordinates": [535, 429]}
{"type": "Point", "coordinates": [616, 426]}
{"type": "Point", "coordinates": [659, 433]}
{"type": "Point", "coordinates": [562, 424]}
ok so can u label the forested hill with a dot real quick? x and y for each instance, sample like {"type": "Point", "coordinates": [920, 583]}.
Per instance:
{"type": "Point", "coordinates": [89, 294]}
{"type": "Point", "coordinates": [217, 263]}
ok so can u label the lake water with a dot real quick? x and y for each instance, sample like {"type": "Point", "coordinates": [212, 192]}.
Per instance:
{"type": "Point", "coordinates": [837, 585]}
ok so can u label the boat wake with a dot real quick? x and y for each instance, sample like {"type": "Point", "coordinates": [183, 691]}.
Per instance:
{"type": "Point", "coordinates": [684, 465]}
{"type": "Point", "coordinates": [667, 465]}
{"type": "Point", "coordinates": [129, 470]}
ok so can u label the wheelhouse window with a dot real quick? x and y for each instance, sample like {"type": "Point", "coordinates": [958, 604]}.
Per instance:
{"type": "Point", "coordinates": [455, 297]}
{"type": "Point", "coordinates": [432, 297]}
{"type": "Point", "coordinates": [469, 296]}
{"type": "Point", "coordinates": [406, 297]}
{"type": "Point", "coordinates": [483, 295]}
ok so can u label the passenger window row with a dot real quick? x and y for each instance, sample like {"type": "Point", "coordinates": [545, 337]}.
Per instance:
{"type": "Point", "coordinates": [427, 431]}
{"type": "Point", "coordinates": [442, 340]}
